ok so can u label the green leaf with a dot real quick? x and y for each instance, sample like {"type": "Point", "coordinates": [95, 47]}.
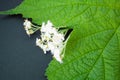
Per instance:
{"type": "Point", "coordinates": [93, 48]}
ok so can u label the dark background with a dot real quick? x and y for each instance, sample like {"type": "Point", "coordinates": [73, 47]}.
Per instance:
{"type": "Point", "coordinates": [20, 59]}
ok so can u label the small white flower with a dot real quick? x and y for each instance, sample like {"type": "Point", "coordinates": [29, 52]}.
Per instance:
{"type": "Point", "coordinates": [51, 46]}
{"type": "Point", "coordinates": [58, 38]}
{"type": "Point", "coordinates": [57, 55]}
{"type": "Point", "coordinates": [40, 44]}
{"type": "Point", "coordinates": [28, 25]}
{"type": "Point", "coordinates": [46, 37]}
{"type": "Point", "coordinates": [47, 28]}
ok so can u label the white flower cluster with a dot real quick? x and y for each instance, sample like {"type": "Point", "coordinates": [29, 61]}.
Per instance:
{"type": "Point", "coordinates": [28, 27]}
{"type": "Point", "coordinates": [51, 40]}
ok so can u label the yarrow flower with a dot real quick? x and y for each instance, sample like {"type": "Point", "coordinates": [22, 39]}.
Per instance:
{"type": "Point", "coordinates": [51, 40]}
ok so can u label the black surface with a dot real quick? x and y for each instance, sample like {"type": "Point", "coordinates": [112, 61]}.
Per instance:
{"type": "Point", "coordinates": [20, 59]}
